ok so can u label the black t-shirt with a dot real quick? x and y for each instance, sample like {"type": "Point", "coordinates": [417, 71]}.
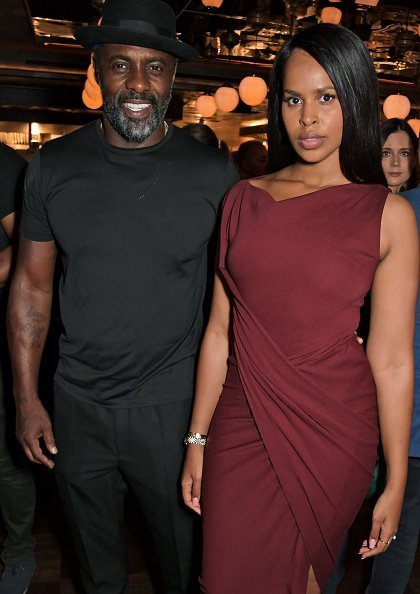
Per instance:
{"type": "Point", "coordinates": [12, 174]}
{"type": "Point", "coordinates": [12, 171]}
{"type": "Point", "coordinates": [132, 227]}
{"type": "Point", "coordinates": [4, 239]}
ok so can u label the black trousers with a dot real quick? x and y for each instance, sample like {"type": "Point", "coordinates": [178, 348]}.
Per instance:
{"type": "Point", "coordinates": [100, 451]}
{"type": "Point", "coordinates": [17, 489]}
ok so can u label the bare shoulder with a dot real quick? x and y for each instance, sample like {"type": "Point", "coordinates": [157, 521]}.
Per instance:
{"type": "Point", "coordinates": [399, 224]}
{"type": "Point", "coordinates": [398, 212]}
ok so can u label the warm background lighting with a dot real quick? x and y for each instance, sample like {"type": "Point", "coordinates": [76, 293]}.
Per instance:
{"type": "Point", "coordinates": [332, 15]}
{"type": "Point", "coordinates": [206, 106]}
{"type": "Point", "coordinates": [212, 3]}
{"type": "Point", "coordinates": [91, 94]}
{"type": "Point", "coordinates": [226, 98]}
{"type": "Point", "coordinates": [252, 90]}
{"type": "Point", "coordinates": [396, 106]}
{"type": "Point", "coordinates": [415, 124]}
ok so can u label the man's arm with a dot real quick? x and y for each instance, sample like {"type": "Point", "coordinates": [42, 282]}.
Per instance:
{"type": "Point", "coordinates": [27, 321]}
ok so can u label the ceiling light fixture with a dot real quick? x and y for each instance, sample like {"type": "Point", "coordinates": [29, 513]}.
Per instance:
{"type": "Point", "coordinates": [252, 90]}
{"type": "Point", "coordinates": [331, 15]}
{"type": "Point", "coordinates": [396, 106]}
{"type": "Point", "coordinates": [206, 106]}
{"type": "Point", "coordinates": [415, 124]}
{"type": "Point", "coordinates": [212, 3]}
{"type": "Point", "coordinates": [226, 98]}
{"type": "Point", "coordinates": [91, 94]}
{"type": "Point", "coordinates": [367, 2]}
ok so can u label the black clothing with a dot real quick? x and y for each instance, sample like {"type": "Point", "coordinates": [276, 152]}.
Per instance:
{"type": "Point", "coordinates": [17, 489]}
{"type": "Point", "coordinates": [4, 239]}
{"type": "Point", "coordinates": [132, 226]}
{"type": "Point", "coordinates": [12, 171]}
{"type": "Point", "coordinates": [12, 167]}
{"type": "Point", "coordinates": [144, 446]}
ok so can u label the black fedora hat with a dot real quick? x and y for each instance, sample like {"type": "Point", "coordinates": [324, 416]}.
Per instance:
{"type": "Point", "coordinates": [145, 23]}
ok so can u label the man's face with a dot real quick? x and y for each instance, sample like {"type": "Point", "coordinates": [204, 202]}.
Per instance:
{"type": "Point", "coordinates": [136, 84]}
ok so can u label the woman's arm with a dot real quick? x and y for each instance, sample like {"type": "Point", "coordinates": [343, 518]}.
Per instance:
{"type": "Point", "coordinates": [390, 353]}
{"type": "Point", "coordinates": [211, 374]}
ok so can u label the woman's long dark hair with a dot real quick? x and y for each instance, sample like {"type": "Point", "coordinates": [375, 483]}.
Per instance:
{"type": "Point", "coordinates": [347, 62]}
{"type": "Point", "coordinates": [392, 125]}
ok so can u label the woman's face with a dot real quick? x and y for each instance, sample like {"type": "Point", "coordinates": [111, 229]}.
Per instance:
{"type": "Point", "coordinates": [311, 111]}
{"type": "Point", "coordinates": [398, 159]}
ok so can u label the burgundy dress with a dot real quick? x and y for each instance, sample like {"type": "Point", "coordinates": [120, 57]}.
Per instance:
{"type": "Point", "coordinates": [292, 444]}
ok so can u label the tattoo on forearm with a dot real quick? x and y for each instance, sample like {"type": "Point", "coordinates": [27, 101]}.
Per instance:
{"type": "Point", "coordinates": [36, 315]}
{"type": "Point", "coordinates": [36, 328]}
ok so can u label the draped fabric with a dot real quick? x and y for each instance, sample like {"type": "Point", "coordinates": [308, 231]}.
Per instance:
{"type": "Point", "coordinates": [299, 399]}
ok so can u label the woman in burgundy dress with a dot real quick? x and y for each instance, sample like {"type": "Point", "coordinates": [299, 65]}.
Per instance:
{"type": "Point", "coordinates": [292, 399]}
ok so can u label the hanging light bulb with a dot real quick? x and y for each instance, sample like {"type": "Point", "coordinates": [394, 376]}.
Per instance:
{"type": "Point", "coordinates": [91, 94]}
{"type": "Point", "coordinates": [396, 106]}
{"type": "Point", "coordinates": [91, 102]}
{"type": "Point", "coordinates": [252, 90]}
{"type": "Point", "coordinates": [415, 124]}
{"type": "Point", "coordinates": [227, 98]}
{"type": "Point", "coordinates": [367, 2]}
{"type": "Point", "coordinates": [35, 135]}
{"type": "Point", "coordinates": [91, 74]}
{"type": "Point", "coordinates": [206, 106]}
{"type": "Point", "coordinates": [212, 3]}
{"type": "Point", "coordinates": [332, 15]}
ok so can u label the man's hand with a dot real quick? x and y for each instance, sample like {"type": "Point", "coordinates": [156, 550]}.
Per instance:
{"type": "Point", "coordinates": [32, 425]}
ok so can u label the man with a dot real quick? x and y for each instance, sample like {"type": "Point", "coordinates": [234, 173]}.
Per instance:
{"type": "Point", "coordinates": [17, 491]}
{"type": "Point", "coordinates": [129, 204]}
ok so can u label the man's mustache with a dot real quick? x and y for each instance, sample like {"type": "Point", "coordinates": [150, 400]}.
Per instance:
{"type": "Point", "coordinates": [133, 96]}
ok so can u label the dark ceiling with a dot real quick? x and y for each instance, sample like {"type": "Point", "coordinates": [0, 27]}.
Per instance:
{"type": "Point", "coordinates": [43, 70]}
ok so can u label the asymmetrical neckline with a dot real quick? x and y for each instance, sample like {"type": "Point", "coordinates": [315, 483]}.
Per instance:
{"type": "Point", "coordinates": [271, 198]}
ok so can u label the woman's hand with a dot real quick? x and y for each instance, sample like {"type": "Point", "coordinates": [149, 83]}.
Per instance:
{"type": "Point", "coordinates": [386, 515]}
{"type": "Point", "coordinates": [191, 477]}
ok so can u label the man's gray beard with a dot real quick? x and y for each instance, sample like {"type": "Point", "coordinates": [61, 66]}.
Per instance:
{"type": "Point", "coordinates": [133, 130]}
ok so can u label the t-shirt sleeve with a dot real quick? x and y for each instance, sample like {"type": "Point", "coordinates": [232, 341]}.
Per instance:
{"type": "Point", "coordinates": [12, 171]}
{"type": "Point", "coordinates": [34, 224]}
{"type": "Point", "coordinates": [4, 240]}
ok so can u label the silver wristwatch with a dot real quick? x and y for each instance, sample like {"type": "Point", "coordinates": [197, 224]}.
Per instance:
{"type": "Point", "coordinates": [195, 439]}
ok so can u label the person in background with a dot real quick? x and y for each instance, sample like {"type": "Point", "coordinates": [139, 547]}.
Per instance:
{"type": "Point", "coordinates": [17, 490]}
{"type": "Point", "coordinates": [128, 204]}
{"type": "Point", "coordinates": [287, 402]}
{"type": "Point", "coordinates": [205, 134]}
{"type": "Point", "coordinates": [391, 572]}
{"type": "Point", "coordinates": [202, 133]}
{"type": "Point", "coordinates": [399, 145]}
{"type": "Point", "coordinates": [251, 159]}
{"type": "Point", "coordinates": [224, 147]}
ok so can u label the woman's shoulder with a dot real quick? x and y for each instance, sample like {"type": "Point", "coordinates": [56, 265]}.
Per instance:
{"type": "Point", "coordinates": [397, 207]}
{"type": "Point", "coordinates": [398, 219]}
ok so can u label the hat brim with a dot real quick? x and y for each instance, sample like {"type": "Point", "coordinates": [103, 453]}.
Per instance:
{"type": "Point", "coordinates": [90, 36]}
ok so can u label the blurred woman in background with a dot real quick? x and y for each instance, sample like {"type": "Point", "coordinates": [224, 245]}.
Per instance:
{"type": "Point", "coordinates": [399, 145]}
